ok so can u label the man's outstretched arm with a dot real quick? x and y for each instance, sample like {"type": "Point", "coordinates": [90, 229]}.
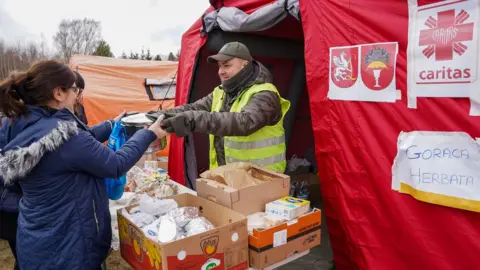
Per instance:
{"type": "Point", "coordinates": [263, 109]}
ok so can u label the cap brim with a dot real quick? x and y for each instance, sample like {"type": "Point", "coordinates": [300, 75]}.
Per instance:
{"type": "Point", "coordinates": [219, 58]}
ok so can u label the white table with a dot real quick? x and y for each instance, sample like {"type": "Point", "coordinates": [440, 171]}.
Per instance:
{"type": "Point", "coordinates": [181, 188]}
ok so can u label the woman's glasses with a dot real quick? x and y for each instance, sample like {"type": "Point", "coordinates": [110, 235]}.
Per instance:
{"type": "Point", "coordinates": [77, 90]}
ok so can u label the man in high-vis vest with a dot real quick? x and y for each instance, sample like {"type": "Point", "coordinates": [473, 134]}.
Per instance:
{"type": "Point", "coordinates": [243, 116]}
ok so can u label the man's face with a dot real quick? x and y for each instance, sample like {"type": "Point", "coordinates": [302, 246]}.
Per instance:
{"type": "Point", "coordinates": [230, 68]}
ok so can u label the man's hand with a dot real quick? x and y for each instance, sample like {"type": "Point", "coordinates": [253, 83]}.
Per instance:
{"type": "Point", "coordinates": [154, 115]}
{"type": "Point", "coordinates": [120, 116]}
{"type": "Point", "coordinates": [179, 123]}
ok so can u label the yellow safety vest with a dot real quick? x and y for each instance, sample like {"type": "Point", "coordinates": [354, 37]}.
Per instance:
{"type": "Point", "coordinates": [266, 147]}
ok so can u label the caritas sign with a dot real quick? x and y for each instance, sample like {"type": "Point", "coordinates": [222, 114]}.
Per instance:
{"type": "Point", "coordinates": [443, 48]}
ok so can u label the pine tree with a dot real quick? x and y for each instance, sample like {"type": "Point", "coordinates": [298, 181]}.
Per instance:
{"type": "Point", "coordinates": [103, 49]}
{"type": "Point", "coordinates": [171, 57]}
{"type": "Point", "coordinates": [148, 56]}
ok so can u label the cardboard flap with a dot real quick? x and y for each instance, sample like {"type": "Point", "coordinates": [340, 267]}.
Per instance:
{"type": "Point", "coordinates": [235, 196]}
{"type": "Point", "coordinates": [216, 192]}
{"type": "Point", "coordinates": [286, 182]}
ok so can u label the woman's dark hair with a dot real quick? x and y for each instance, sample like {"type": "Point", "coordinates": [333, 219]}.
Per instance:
{"type": "Point", "coordinates": [79, 82]}
{"type": "Point", "coordinates": [33, 87]}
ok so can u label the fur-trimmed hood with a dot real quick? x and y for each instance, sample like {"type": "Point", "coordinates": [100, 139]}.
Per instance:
{"type": "Point", "coordinates": [26, 146]}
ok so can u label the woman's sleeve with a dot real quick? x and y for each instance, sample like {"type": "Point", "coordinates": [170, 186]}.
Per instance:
{"type": "Point", "coordinates": [84, 153]}
{"type": "Point", "coordinates": [102, 131]}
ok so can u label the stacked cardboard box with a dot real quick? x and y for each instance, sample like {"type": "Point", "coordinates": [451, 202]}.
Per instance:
{"type": "Point", "coordinates": [276, 243]}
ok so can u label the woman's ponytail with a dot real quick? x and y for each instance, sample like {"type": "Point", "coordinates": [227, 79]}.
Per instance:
{"type": "Point", "coordinates": [34, 87]}
{"type": "Point", "coordinates": [11, 104]}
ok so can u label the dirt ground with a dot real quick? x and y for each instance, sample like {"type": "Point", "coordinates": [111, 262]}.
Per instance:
{"type": "Point", "coordinates": [6, 257]}
{"type": "Point", "coordinates": [114, 262]}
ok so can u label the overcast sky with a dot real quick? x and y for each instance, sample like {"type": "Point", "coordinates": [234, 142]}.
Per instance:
{"type": "Point", "coordinates": [127, 25]}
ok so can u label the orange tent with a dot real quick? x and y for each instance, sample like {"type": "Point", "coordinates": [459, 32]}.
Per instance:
{"type": "Point", "coordinates": [113, 85]}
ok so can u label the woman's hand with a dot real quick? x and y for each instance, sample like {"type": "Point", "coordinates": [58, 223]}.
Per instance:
{"type": "Point", "coordinates": [120, 116]}
{"type": "Point", "coordinates": [157, 129]}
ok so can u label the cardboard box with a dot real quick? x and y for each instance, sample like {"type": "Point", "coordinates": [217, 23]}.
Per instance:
{"type": "Point", "coordinates": [227, 245]}
{"type": "Point", "coordinates": [249, 199]}
{"type": "Point", "coordinates": [273, 245]}
{"type": "Point", "coordinates": [287, 208]}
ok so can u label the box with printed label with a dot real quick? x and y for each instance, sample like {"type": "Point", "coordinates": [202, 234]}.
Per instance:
{"type": "Point", "coordinates": [287, 207]}
{"type": "Point", "coordinates": [225, 247]}
{"type": "Point", "coordinates": [273, 245]}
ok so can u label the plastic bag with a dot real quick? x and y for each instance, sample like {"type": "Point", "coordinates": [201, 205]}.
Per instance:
{"type": "Point", "coordinates": [298, 165]}
{"type": "Point", "coordinates": [183, 215]}
{"type": "Point", "coordinates": [155, 206]}
{"type": "Point", "coordinates": [115, 187]}
{"type": "Point", "coordinates": [198, 225]}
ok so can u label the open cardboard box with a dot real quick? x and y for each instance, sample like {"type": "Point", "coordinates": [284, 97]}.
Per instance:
{"type": "Point", "coordinates": [275, 244]}
{"type": "Point", "coordinates": [269, 187]}
{"type": "Point", "coordinates": [227, 244]}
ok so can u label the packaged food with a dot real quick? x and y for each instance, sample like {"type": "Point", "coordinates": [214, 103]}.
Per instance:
{"type": "Point", "coordinates": [256, 221]}
{"type": "Point", "coordinates": [156, 206]}
{"type": "Point", "coordinates": [125, 198]}
{"type": "Point", "coordinates": [287, 207]}
{"type": "Point", "coordinates": [151, 230]}
{"type": "Point", "coordinates": [272, 221]}
{"type": "Point", "coordinates": [142, 219]}
{"type": "Point", "coordinates": [198, 225]}
{"type": "Point", "coordinates": [167, 230]}
{"type": "Point", "coordinates": [183, 215]}
{"type": "Point", "coordinates": [165, 190]}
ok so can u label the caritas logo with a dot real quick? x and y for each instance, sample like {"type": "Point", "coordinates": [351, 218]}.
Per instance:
{"type": "Point", "coordinates": [446, 46]}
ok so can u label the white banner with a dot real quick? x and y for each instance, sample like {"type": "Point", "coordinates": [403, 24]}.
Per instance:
{"type": "Point", "coordinates": [364, 72]}
{"type": "Point", "coordinates": [443, 50]}
{"type": "Point", "coordinates": [438, 167]}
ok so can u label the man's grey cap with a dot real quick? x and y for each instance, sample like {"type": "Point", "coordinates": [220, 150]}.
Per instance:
{"type": "Point", "coordinates": [229, 51]}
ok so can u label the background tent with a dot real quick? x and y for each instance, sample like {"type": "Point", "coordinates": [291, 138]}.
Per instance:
{"type": "Point", "coordinates": [371, 226]}
{"type": "Point", "coordinates": [113, 85]}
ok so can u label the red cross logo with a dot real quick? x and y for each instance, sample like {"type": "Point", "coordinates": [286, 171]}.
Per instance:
{"type": "Point", "coordinates": [446, 34]}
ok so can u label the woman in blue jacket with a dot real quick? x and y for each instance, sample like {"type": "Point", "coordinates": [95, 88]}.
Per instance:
{"type": "Point", "coordinates": [59, 165]}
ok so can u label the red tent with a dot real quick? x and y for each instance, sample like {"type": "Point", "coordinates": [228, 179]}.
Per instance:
{"type": "Point", "coordinates": [371, 226]}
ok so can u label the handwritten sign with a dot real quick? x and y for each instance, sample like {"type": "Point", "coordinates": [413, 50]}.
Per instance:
{"type": "Point", "coordinates": [438, 167]}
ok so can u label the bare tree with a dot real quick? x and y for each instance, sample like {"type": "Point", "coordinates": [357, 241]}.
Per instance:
{"type": "Point", "coordinates": [19, 57]}
{"type": "Point", "coordinates": [32, 52]}
{"type": "Point", "coordinates": [91, 35]}
{"type": "Point", "coordinates": [77, 37]}
{"type": "Point", "coordinates": [43, 50]}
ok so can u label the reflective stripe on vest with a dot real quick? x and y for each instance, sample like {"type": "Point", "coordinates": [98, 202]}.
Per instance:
{"type": "Point", "coordinates": [255, 144]}
{"type": "Point", "coordinates": [264, 162]}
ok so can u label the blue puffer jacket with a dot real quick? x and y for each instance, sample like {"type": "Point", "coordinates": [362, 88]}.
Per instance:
{"type": "Point", "coordinates": [60, 165]}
